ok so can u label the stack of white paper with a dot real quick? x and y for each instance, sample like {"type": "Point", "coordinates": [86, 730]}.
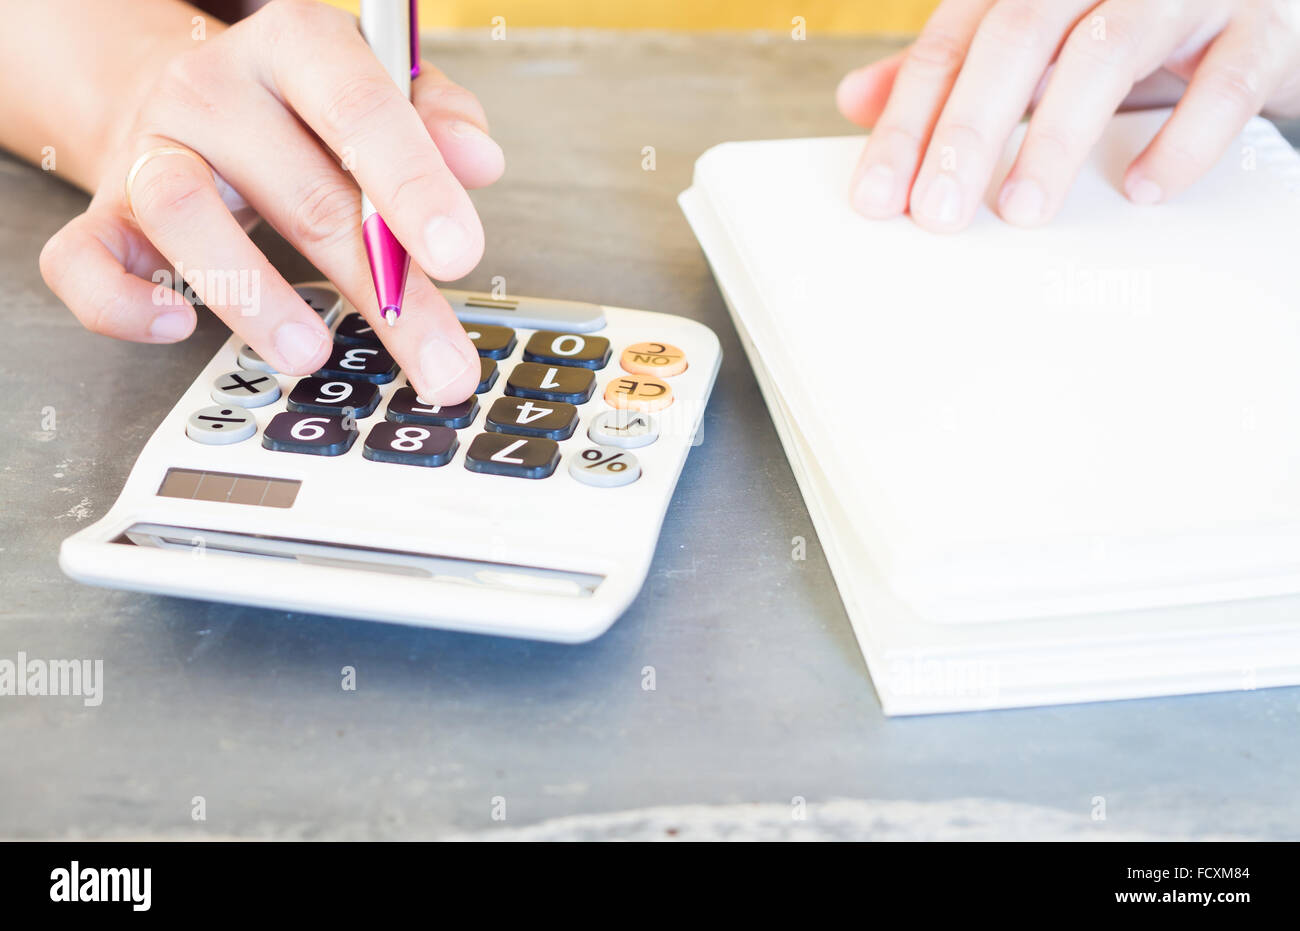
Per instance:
{"type": "Point", "coordinates": [1046, 465]}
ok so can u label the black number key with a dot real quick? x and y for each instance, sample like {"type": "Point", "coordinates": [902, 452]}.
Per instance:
{"type": "Point", "coordinates": [551, 383]}
{"type": "Point", "coordinates": [519, 456]}
{"type": "Point", "coordinates": [355, 330]}
{"type": "Point", "coordinates": [316, 435]}
{"type": "Point", "coordinates": [369, 363]}
{"type": "Point", "coordinates": [487, 375]}
{"type": "Point", "coordinates": [410, 444]}
{"type": "Point", "coordinates": [554, 420]}
{"type": "Point", "coordinates": [587, 352]}
{"type": "Point", "coordinates": [334, 396]}
{"type": "Point", "coordinates": [405, 406]}
{"type": "Point", "coordinates": [492, 342]}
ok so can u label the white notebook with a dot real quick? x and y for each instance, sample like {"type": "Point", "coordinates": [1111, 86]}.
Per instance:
{"type": "Point", "coordinates": [1047, 465]}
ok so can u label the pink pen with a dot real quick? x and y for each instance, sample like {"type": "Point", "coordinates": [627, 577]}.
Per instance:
{"type": "Point", "coordinates": [392, 30]}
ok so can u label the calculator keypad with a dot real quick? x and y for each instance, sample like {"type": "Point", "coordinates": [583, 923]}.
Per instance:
{"type": "Point", "coordinates": [518, 456]}
{"type": "Point", "coordinates": [314, 434]}
{"type": "Point", "coordinates": [334, 397]}
{"type": "Point", "coordinates": [553, 420]}
{"type": "Point", "coordinates": [492, 342]}
{"type": "Point", "coordinates": [220, 425]}
{"type": "Point", "coordinates": [355, 330]}
{"type": "Point", "coordinates": [410, 444]}
{"type": "Point", "coordinates": [245, 388]}
{"type": "Point", "coordinates": [551, 383]}
{"type": "Point", "coordinates": [552, 348]}
{"type": "Point", "coordinates": [369, 363]}
{"type": "Point", "coordinates": [405, 406]}
{"type": "Point", "coordinates": [604, 467]}
{"type": "Point", "coordinates": [522, 430]}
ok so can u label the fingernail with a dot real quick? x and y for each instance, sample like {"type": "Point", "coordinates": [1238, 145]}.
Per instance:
{"type": "Point", "coordinates": [448, 242]}
{"type": "Point", "coordinates": [442, 362]}
{"type": "Point", "coordinates": [170, 326]}
{"type": "Point", "coordinates": [875, 189]}
{"type": "Point", "coordinates": [1143, 191]}
{"type": "Point", "coordinates": [298, 345]}
{"type": "Point", "coordinates": [942, 201]}
{"type": "Point", "coordinates": [1022, 202]}
{"type": "Point", "coordinates": [462, 129]}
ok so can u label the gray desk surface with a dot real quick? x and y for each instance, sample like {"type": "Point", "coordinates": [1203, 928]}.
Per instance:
{"type": "Point", "coordinates": [761, 694]}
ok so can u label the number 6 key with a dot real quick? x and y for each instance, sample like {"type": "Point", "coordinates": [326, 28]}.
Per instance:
{"type": "Point", "coordinates": [296, 432]}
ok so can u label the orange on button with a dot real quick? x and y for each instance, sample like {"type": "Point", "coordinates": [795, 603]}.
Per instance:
{"type": "Point", "coordinates": [653, 359]}
{"type": "Point", "coordinates": [643, 393]}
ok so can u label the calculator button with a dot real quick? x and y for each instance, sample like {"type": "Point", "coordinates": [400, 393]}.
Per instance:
{"type": "Point", "coordinates": [410, 444]}
{"type": "Point", "coordinates": [248, 359]}
{"type": "Point", "coordinates": [369, 363]}
{"type": "Point", "coordinates": [245, 388]}
{"type": "Point", "coordinates": [519, 456]}
{"type": "Point", "coordinates": [550, 347]}
{"type": "Point", "coordinates": [492, 342]}
{"type": "Point", "coordinates": [220, 425]}
{"type": "Point", "coordinates": [325, 301]}
{"type": "Point", "coordinates": [627, 429]}
{"type": "Point", "coordinates": [554, 420]}
{"type": "Point", "coordinates": [405, 406]}
{"type": "Point", "coordinates": [643, 393]}
{"type": "Point", "coordinates": [661, 359]}
{"type": "Point", "coordinates": [487, 375]}
{"type": "Point", "coordinates": [334, 397]}
{"type": "Point", "coordinates": [604, 467]}
{"type": "Point", "coordinates": [355, 330]}
{"type": "Point", "coordinates": [551, 383]}
{"type": "Point", "coordinates": [314, 434]}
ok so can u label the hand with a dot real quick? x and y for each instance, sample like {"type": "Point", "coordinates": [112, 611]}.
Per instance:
{"type": "Point", "coordinates": [277, 105]}
{"type": "Point", "coordinates": [944, 108]}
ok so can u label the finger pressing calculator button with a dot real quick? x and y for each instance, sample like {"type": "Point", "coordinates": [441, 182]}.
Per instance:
{"type": "Point", "coordinates": [604, 467]}
{"type": "Point", "coordinates": [487, 375]}
{"type": "Point", "coordinates": [405, 406]}
{"type": "Point", "coordinates": [492, 342]}
{"type": "Point", "coordinates": [519, 456]}
{"type": "Point", "coordinates": [410, 444]}
{"type": "Point", "coordinates": [355, 330]}
{"type": "Point", "coordinates": [325, 301]}
{"type": "Point", "coordinates": [554, 420]}
{"type": "Point", "coordinates": [248, 359]}
{"type": "Point", "coordinates": [220, 425]}
{"type": "Point", "coordinates": [548, 346]}
{"type": "Point", "coordinates": [643, 393]}
{"type": "Point", "coordinates": [659, 359]}
{"type": "Point", "coordinates": [316, 435]}
{"type": "Point", "coordinates": [334, 397]}
{"type": "Point", "coordinates": [245, 388]}
{"type": "Point", "coordinates": [369, 363]}
{"type": "Point", "coordinates": [627, 429]}
{"type": "Point", "coordinates": [551, 383]}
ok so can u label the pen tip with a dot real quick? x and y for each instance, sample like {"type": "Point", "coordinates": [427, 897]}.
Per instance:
{"type": "Point", "coordinates": [391, 316]}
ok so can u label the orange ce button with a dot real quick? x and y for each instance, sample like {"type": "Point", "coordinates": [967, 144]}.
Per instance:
{"type": "Point", "coordinates": [643, 393]}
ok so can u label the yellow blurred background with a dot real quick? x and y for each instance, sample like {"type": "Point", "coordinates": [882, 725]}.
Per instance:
{"type": "Point", "coordinates": [819, 16]}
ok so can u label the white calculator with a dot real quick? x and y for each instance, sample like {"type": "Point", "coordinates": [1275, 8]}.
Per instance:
{"type": "Point", "coordinates": [531, 510]}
